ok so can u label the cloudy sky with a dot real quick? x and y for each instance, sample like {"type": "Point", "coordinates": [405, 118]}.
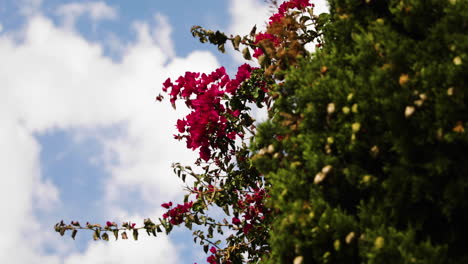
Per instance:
{"type": "Point", "coordinates": [81, 135]}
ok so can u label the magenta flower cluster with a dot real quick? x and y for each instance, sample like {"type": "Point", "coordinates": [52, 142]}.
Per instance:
{"type": "Point", "coordinates": [299, 4]}
{"type": "Point", "coordinates": [277, 18]}
{"type": "Point", "coordinates": [254, 209]}
{"type": "Point", "coordinates": [203, 93]}
{"type": "Point", "coordinates": [176, 214]}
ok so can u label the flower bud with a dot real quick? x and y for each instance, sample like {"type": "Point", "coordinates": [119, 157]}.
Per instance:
{"type": "Point", "coordinates": [409, 110]}
{"type": "Point", "coordinates": [330, 108]}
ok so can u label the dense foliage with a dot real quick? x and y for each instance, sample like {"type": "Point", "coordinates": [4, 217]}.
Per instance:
{"type": "Point", "coordinates": [372, 165]}
{"type": "Point", "coordinates": [364, 156]}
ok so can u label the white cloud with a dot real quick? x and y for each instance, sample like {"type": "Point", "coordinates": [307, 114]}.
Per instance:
{"type": "Point", "coordinates": [145, 250]}
{"type": "Point", "coordinates": [29, 7]}
{"type": "Point", "coordinates": [56, 79]}
{"type": "Point", "coordinates": [96, 11]}
{"type": "Point", "coordinates": [162, 34]}
{"type": "Point", "coordinates": [247, 13]}
{"type": "Point", "coordinates": [21, 184]}
{"type": "Point", "coordinates": [321, 6]}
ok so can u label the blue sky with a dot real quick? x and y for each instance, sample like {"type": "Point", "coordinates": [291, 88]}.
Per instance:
{"type": "Point", "coordinates": [81, 136]}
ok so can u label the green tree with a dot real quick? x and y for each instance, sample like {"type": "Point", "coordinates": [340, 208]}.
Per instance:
{"type": "Point", "coordinates": [364, 155]}
{"type": "Point", "coordinates": [370, 161]}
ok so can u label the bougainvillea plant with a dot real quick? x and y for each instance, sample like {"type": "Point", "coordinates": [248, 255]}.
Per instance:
{"type": "Point", "coordinates": [218, 127]}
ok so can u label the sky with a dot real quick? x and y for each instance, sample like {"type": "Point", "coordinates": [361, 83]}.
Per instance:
{"type": "Point", "coordinates": [81, 135]}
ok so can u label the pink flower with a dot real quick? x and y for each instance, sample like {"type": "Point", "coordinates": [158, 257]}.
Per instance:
{"type": "Point", "coordinates": [232, 135]}
{"type": "Point", "coordinates": [167, 205]}
{"type": "Point", "coordinates": [205, 153]}
{"type": "Point", "coordinates": [181, 125]}
{"type": "Point", "coordinates": [109, 224]}
{"type": "Point", "coordinates": [266, 36]}
{"type": "Point", "coordinates": [257, 53]}
{"type": "Point", "coordinates": [167, 84]}
{"type": "Point", "coordinates": [211, 259]}
{"type": "Point", "coordinates": [299, 4]}
{"type": "Point", "coordinates": [236, 221]}
{"type": "Point", "coordinates": [213, 250]}
{"type": "Point", "coordinates": [276, 18]}
{"type": "Point", "coordinates": [247, 228]}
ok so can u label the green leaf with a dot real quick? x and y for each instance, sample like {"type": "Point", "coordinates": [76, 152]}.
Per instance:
{"type": "Point", "coordinates": [135, 234]}
{"type": "Point", "coordinates": [226, 209]}
{"type": "Point", "coordinates": [205, 248]}
{"type": "Point", "coordinates": [210, 232]}
{"type": "Point", "coordinates": [74, 233]}
{"type": "Point", "coordinates": [194, 30]}
{"type": "Point", "coordinates": [236, 42]}
{"type": "Point", "coordinates": [97, 234]}
{"type": "Point", "coordinates": [303, 19]}
{"type": "Point", "coordinates": [253, 31]}
{"type": "Point", "coordinates": [116, 234]}
{"type": "Point", "coordinates": [246, 53]}
{"type": "Point", "coordinates": [221, 48]}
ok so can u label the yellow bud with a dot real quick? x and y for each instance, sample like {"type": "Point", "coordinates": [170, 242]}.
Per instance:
{"type": "Point", "coordinates": [450, 91]}
{"type": "Point", "coordinates": [356, 127]}
{"type": "Point", "coordinates": [262, 152]}
{"type": "Point", "coordinates": [457, 60]}
{"type": "Point", "coordinates": [350, 97]}
{"type": "Point", "coordinates": [336, 245]}
{"type": "Point", "coordinates": [311, 215]}
{"type": "Point", "coordinates": [330, 108]}
{"type": "Point", "coordinates": [374, 151]}
{"type": "Point", "coordinates": [327, 169]}
{"type": "Point", "coordinates": [346, 110]}
{"type": "Point", "coordinates": [418, 103]}
{"type": "Point", "coordinates": [404, 78]}
{"type": "Point", "coordinates": [327, 149]}
{"type": "Point", "coordinates": [379, 242]}
{"type": "Point", "coordinates": [366, 179]}
{"type": "Point", "coordinates": [271, 149]}
{"type": "Point", "coordinates": [319, 177]}
{"type": "Point", "coordinates": [409, 110]}
{"type": "Point", "coordinates": [349, 238]}
{"type": "Point", "coordinates": [459, 127]}
{"type": "Point", "coordinates": [354, 108]}
{"type": "Point", "coordinates": [330, 140]}
{"type": "Point", "coordinates": [298, 260]}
